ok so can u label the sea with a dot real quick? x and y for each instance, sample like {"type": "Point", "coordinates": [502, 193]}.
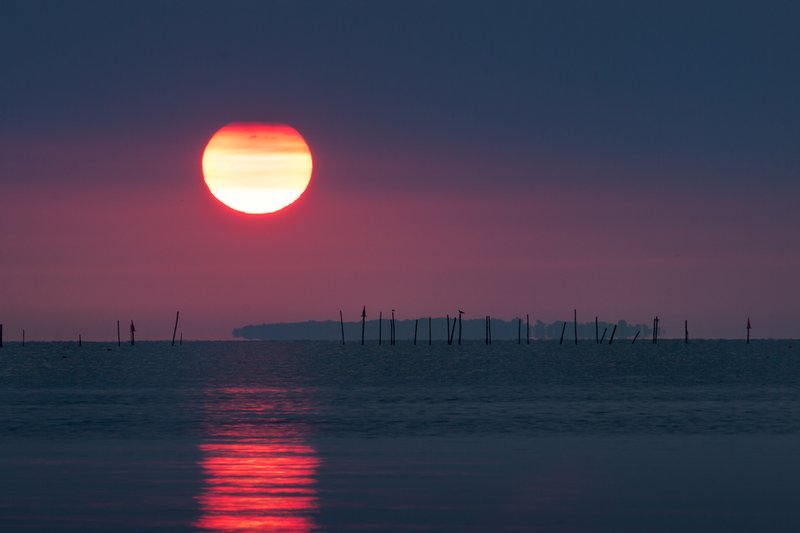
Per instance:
{"type": "Point", "coordinates": [319, 436]}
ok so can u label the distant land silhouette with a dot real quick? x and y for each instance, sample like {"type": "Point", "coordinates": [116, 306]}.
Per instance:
{"type": "Point", "coordinates": [473, 329]}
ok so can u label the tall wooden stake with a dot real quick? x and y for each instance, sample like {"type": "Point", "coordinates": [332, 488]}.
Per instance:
{"type": "Point", "coordinates": [748, 331]}
{"type": "Point", "coordinates": [363, 323]}
{"type": "Point", "coordinates": [686, 332]}
{"type": "Point", "coordinates": [430, 331]}
{"type": "Point", "coordinates": [80, 341]}
{"type": "Point", "coordinates": [486, 327]}
{"type": "Point", "coordinates": [636, 337]}
{"type": "Point", "coordinates": [180, 342]}
{"type": "Point", "coordinates": [612, 334]}
{"type": "Point", "coordinates": [23, 337]}
{"type": "Point", "coordinates": [490, 329]}
{"type": "Point", "coordinates": [596, 331]}
{"type": "Point", "coordinates": [519, 331]}
{"type": "Point", "coordinates": [380, 327]}
{"type": "Point", "coordinates": [175, 329]}
{"type": "Point", "coordinates": [391, 330]}
{"type": "Point", "coordinates": [460, 312]}
{"type": "Point", "coordinates": [119, 339]}
{"type": "Point", "coordinates": [133, 330]}
{"type": "Point", "coordinates": [341, 322]}
{"type": "Point", "coordinates": [1, 335]}
{"type": "Point", "coordinates": [416, 323]}
{"type": "Point", "coordinates": [575, 324]}
{"type": "Point", "coordinates": [448, 329]}
{"type": "Point", "coordinates": [453, 332]}
{"type": "Point", "coordinates": [655, 330]}
{"type": "Point", "coordinates": [605, 330]}
{"type": "Point", "coordinates": [563, 329]}
{"type": "Point", "coordinates": [527, 329]}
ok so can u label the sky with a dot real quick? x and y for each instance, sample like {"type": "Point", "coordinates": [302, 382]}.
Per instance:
{"type": "Point", "coordinates": [626, 159]}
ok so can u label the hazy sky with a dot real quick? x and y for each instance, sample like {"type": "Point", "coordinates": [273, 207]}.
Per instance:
{"type": "Point", "coordinates": [625, 158]}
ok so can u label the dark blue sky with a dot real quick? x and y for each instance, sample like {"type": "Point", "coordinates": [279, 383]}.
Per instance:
{"type": "Point", "coordinates": [625, 158]}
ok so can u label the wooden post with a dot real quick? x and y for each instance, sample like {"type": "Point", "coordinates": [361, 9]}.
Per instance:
{"type": "Point", "coordinates": [527, 329]}
{"type": "Point", "coordinates": [391, 330]}
{"type": "Point", "coordinates": [636, 337]}
{"type": "Point", "coordinates": [380, 327]}
{"type": "Point", "coordinates": [119, 340]}
{"type": "Point", "coordinates": [519, 331]}
{"type": "Point", "coordinates": [23, 337]}
{"type": "Point", "coordinates": [133, 330]}
{"type": "Point", "coordinates": [605, 330]}
{"type": "Point", "coordinates": [448, 329]}
{"type": "Point", "coordinates": [490, 328]}
{"type": "Point", "coordinates": [655, 330]}
{"type": "Point", "coordinates": [416, 323]}
{"type": "Point", "coordinates": [575, 324]}
{"type": "Point", "coordinates": [563, 329]}
{"type": "Point", "coordinates": [175, 329]}
{"type": "Point", "coordinates": [363, 323]}
{"type": "Point", "coordinates": [486, 329]}
{"type": "Point", "coordinates": [180, 342]}
{"type": "Point", "coordinates": [612, 334]}
{"type": "Point", "coordinates": [460, 312]}
{"type": "Point", "coordinates": [453, 332]}
{"type": "Point", "coordinates": [748, 331]}
{"type": "Point", "coordinates": [80, 341]}
{"type": "Point", "coordinates": [341, 322]}
{"type": "Point", "coordinates": [1, 335]}
{"type": "Point", "coordinates": [686, 332]}
{"type": "Point", "coordinates": [596, 331]}
{"type": "Point", "coordinates": [430, 331]}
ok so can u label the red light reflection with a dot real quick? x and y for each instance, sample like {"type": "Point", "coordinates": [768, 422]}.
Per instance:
{"type": "Point", "coordinates": [260, 472]}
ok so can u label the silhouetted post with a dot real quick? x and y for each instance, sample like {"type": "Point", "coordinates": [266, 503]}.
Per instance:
{"type": "Point", "coordinates": [636, 337]}
{"type": "Point", "coordinates": [175, 329]}
{"type": "Point", "coordinates": [575, 324]}
{"type": "Point", "coordinates": [391, 330]}
{"type": "Point", "coordinates": [490, 328]}
{"type": "Point", "coordinates": [686, 332]}
{"type": "Point", "coordinates": [430, 331]}
{"type": "Point", "coordinates": [603, 337]}
{"type": "Point", "coordinates": [119, 339]}
{"type": "Point", "coordinates": [80, 341]}
{"type": "Point", "coordinates": [748, 331]}
{"type": "Point", "coordinates": [133, 330]}
{"type": "Point", "coordinates": [448, 329]}
{"type": "Point", "coordinates": [460, 312]}
{"type": "Point", "coordinates": [180, 342]}
{"type": "Point", "coordinates": [1, 335]}
{"type": "Point", "coordinates": [519, 331]}
{"type": "Point", "coordinates": [380, 327]}
{"type": "Point", "coordinates": [527, 329]}
{"type": "Point", "coordinates": [363, 323]}
{"type": "Point", "coordinates": [612, 334]}
{"type": "Point", "coordinates": [23, 337]}
{"type": "Point", "coordinates": [416, 323]}
{"type": "Point", "coordinates": [452, 332]}
{"type": "Point", "coordinates": [596, 331]}
{"type": "Point", "coordinates": [655, 330]}
{"type": "Point", "coordinates": [563, 329]}
{"type": "Point", "coordinates": [341, 322]}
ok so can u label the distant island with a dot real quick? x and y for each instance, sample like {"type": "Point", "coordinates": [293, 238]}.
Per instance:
{"type": "Point", "coordinates": [473, 329]}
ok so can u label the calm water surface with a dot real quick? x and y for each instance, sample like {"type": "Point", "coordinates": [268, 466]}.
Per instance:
{"type": "Point", "coordinates": [309, 436]}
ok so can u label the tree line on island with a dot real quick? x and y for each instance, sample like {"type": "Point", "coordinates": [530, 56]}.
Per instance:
{"type": "Point", "coordinates": [472, 329]}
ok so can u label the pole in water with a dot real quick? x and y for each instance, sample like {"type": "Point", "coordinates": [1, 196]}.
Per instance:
{"type": "Point", "coordinates": [175, 329]}
{"type": "Point", "coordinates": [80, 341]}
{"type": "Point", "coordinates": [1, 335]}
{"type": "Point", "coordinates": [416, 323]}
{"type": "Point", "coordinates": [341, 321]}
{"type": "Point", "coordinates": [180, 342]}
{"type": "Point", "coordinates": [575, 324]}
{"type": "Point", "coordinates": [380, 327]}
{"type": "Point", "coordinates": [527, 329]}
{"type": "Point", "coordinates": [519, 331]}
{"type": "Point", "coordinates": [119, 340]}
{"type": "Point", "coordinates": [453, 332]}
{"type": "Point", "coordinates": [391, 330]}
{"type": "Point", "coordinates": [612, 334]}
{"type": "Point", "coordinates": [133, 330]}
{"type": "Point", "coordinates": [363, 323]}
{"type": "Point", "coordinates": [636, 336]}
{"type": "Point", "coordinates": [448, 329]}
{"type": "Point", "coordinates": [686, 332]}
{"type": "Point", "coordinates": [596, 331]}
{"type": "Point", "coordinates": [486, 327]}
{"type": "Point", "coordinates": [23, 337]}
{"type": "Point", "coordinates": [748, 331]}
{"type": "Point", "coordinates": [489, 318]}
{"type": "Point", "coordinates": [604, 336]}
{"type": "Point", "coordinates": [563, 329]}
{"type": "Point", "coordinates": [460, 312]}
{"type": "Point", "coordinates": [655, 330]}
{"type": "Point", "coordinates": [430, 331]}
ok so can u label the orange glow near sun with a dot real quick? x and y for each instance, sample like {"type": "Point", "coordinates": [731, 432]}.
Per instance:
{"type": "Point", "coordinates": [257, 168]}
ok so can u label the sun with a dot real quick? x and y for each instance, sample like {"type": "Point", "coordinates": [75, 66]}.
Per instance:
{"type": "Point", "coordinates": [257, 168]}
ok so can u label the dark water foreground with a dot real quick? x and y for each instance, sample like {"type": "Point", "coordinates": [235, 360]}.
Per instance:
{"type": "Point", "coordinates": [315, 436]}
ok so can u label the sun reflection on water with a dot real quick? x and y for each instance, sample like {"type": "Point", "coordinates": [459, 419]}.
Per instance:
{"type": "Point", "coordinates": [259, 468]}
